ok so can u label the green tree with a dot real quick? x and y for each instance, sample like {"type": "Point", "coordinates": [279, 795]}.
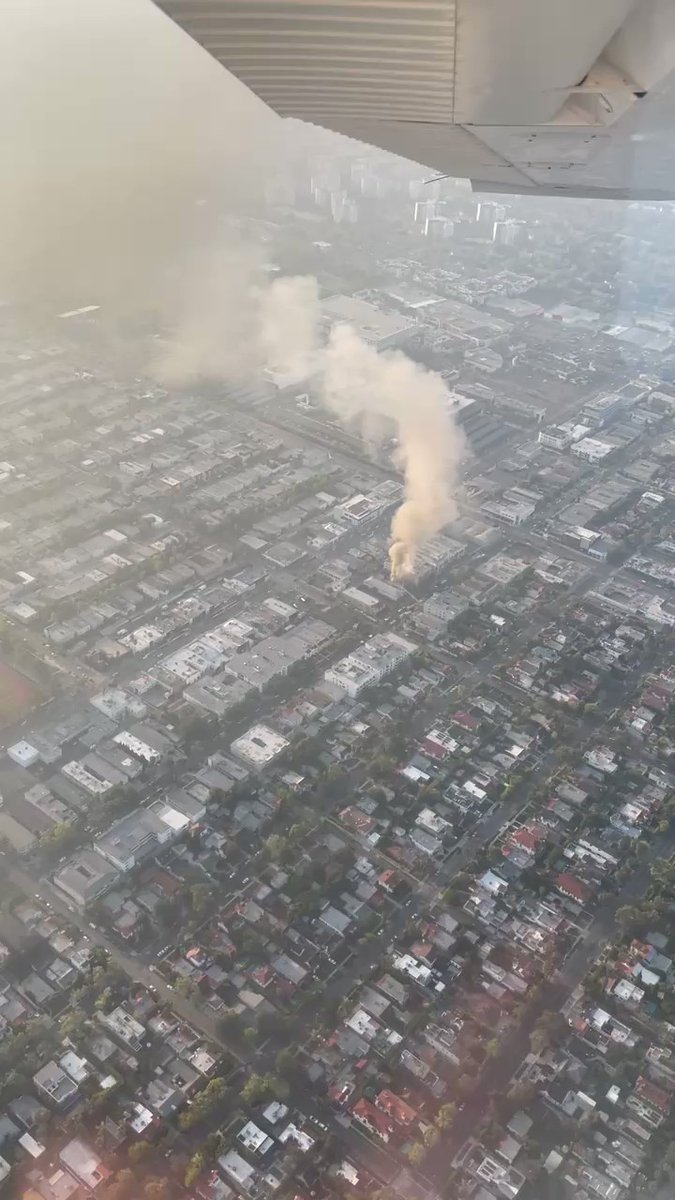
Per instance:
{"type": "Point", "coordinates": [99, 959]}
{"type": "Point", "coordinates": [259, 1087]}
{"type": "Point", "coordinates": [277, 848]}
{"type": "Point", "coordinates": [229, 1022]}
{"type": "Point", "coordinates": [416, 1154]}
{"type": "Point", "coordinates": [122, 1186]}
{"type": "Point", "coordinates": [548, 1027]}
{"type": "Point", "coordinates": [286, 1062]}
{"type": "Point", "coordinates": [431, 1136]}
{"type": "Point", "coordinates": [203, 1103]}
{"type": "Point", "coordinates": [201, 899]}
{"type": "Point", "coordinates": [270, 1023]}
{"type": "Point", "coordinates": [139, 1151]}
{"type": "Point", "coordinates": [60, 839]}
{"type": "Point", "coordinates": [156, 1189]}
{"type": "Point", "coordinates": [213, 1144]}
{"type": "Point", "coordinates": [185, 987]}
{"type": "Point", "coordinates": [194, 1169]}
{"type": "Point", "coordinates": [628, 917]}
{"type": "Point", "coordinates": [521, 1094]}
{"type": "Point", "coordinates": [446, 1115]}
{"type": "Point", "coordinates": [168, 911]}
{"type": "Point", "coordinates": [104, 1001]}
{"type": "Point", "coordinates": [72, 1023]}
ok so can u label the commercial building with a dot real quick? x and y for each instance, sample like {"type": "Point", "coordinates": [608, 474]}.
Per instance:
{"type": "Point", "coordinates": [559, 437]}
{"type": "Point", "coordinates": [87, 779]}
{"type": "Point", "coordinates": [435, 554]}
{"type": "Point", "coordinates": [85, 877]}
{"type": "Point", "coordinates": [594, 449]}
{"type": "Point", "coordinates": [141, 750]}
{"type": "Point", "coordinates": [379, 329]}
{"type": "Point", "coordinates": [371, 663]}
{"type": "Point", "coordinates": [259, 746]}
{"type": "Point", "coordinates": [272, 657]}
{"type": "Point", "coordinates": [133, 838]}
{"type": "Point", "coordinates": [24, 754]}
{"type": "Point", "coordinates": [511, 513]}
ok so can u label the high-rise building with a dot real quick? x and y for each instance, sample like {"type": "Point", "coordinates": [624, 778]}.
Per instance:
{"type": "Point", "coordinates": [487, 212]}
{"type": "Point", "coordinates": [508, 233]}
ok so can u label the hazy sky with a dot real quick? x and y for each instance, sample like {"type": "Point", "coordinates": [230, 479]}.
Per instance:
{"type": "Point", "coordinates": [121, 140]}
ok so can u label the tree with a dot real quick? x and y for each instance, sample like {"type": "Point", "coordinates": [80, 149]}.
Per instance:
{"type": "Point", "coordinates": [138, 1151]}
{"type": "Point", "coordinates": [185, 987]}
{"type": "Point", "coordinates": [229, 1022]}
{"type": "Point", "coordinates": [61, 838]}
{"type": "Point", "coordinates": [628, 917]}
{"type": "Point", "coordinates": [122, 1186]}
{"type": "Point", "coordinates": [286, 1062]}
{"type": "Point", "coordinates": [431, 1136]}
{"type": "Point", "coordinates": [521, 1094]}
{"type": "Point", "coordinates": [418, 1021]}
{"type": "Point", "coordinates": [203, 1103]}
{"type": "Point", "coordinates": [99, 958]}
{"type": "Point", "coordinates": [213, 1144]}
{"type": "Point", "coordinates": [446, 1115]}
{"type": "Point", "coordinates": [257, 1088]}
{"type": "Point", "coordinates": [104, 1000]}
{"type": "Point", "coordinates": [168, 911]}
{"type": "Point", "coordinates": [156, 1189]}
{"type": "Point", "coordinates": [539, 1040]}
{"type": "Point", "coordinates": [277, 848]}
{"type": "Point", "coordinates": [72, 1023]}
{"type": "Point", "coordinates": [194, 1169]}
{"type": "Point", "coordinates": [382, 767]}
{"type": "Point", "coordinates": [270, 1023]}
{"type": "Point", "coordinates": [466, 1085]}
{"type": "Point", "coordinates": [416, 1154]}
{"type": "Point", "coordinates": [548, 1027]}
{"type": "Point", "coordinates": [201, 899]}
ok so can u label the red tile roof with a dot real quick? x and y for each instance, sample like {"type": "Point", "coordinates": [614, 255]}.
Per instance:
{"type": "Point", "coordinates": [395, 1107]}
{"type": "Point", "coordinates": [364, 1111]}
{"type": "Point", "coordinates": [571, 886]}
{"type": "Point", "coordinates": [649, 1091]}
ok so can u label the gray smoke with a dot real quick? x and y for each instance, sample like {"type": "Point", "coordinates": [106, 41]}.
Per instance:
{"type": "Point", "coordinates": [129, 156]}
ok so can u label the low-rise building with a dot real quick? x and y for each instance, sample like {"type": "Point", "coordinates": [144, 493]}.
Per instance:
{"type": "Point", "coordinates": [85, 877]}
{"type": "Point", "coordinates": [371, 663]}
{"type": "Point", "coordinates": [259, 746]}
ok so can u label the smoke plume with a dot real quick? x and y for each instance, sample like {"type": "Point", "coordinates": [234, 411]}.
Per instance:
{"type": "Point", "coordinates": [365, 388]}
{"type": "Point", "coordinates": [357, 381]}
{"type": "Point", "coordinates": [132, 162]}
{"type": "Point", "coordinates": [289, 325]}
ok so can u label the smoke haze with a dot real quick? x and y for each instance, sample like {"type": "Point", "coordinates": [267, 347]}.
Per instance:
{"type": "Point", "coordinates": [120, 155]}
{"type": "Point", "coordinates": [129, 159]}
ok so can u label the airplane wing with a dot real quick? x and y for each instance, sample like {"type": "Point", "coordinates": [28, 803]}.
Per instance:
{"type": "Point", "coordinates": [571, 97]}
